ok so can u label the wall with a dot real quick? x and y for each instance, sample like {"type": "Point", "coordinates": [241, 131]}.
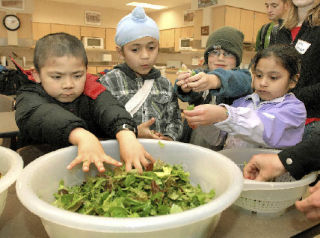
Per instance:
{"type": "Point", "coordinates": [56, 12]}
{"type": "Point", "coordinates": [171, 18]}
{"type": "Point", "coordinates": [72, 14]}
{"type": "Point", "coordinates": [23, 36]}
{"type": "Point", "coordinates": [255, 5]}
{"type": "Point", "coordinates": [28, 8]}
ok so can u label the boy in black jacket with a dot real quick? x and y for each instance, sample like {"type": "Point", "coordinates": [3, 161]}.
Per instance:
{"type": "Point", "coordinates": [62, 105]}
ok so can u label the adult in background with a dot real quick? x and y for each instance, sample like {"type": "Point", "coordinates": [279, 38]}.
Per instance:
{"type": "Point", "coordinates": [275, 10]}
{"type": "Point", "coordinates": [302, 29]}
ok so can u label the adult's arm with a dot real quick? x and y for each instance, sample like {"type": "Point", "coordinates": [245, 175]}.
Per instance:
{"type": "Point", "coordinates": [303, 158]}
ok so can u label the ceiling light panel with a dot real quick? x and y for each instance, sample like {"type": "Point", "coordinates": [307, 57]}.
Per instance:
{"type": "Point", "coordinates": [146, 5]}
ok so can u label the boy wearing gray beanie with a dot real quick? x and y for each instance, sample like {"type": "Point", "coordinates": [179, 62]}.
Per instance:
{"type": "Point", "coordinates": [219, 81]}
{"type": "Point", "coordinates": [146, 95]}
{"type": "Point", "coordinates": [229, 39]}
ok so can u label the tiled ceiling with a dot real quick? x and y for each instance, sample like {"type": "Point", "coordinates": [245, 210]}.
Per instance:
{"type": "Point", "coordinates": [121, 4]}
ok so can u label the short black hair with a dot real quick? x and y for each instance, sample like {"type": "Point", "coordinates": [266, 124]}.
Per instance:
{"type": "Point", "coordinates": [58, 45]}
{"type": "Point", "coordinates": [287, 56]}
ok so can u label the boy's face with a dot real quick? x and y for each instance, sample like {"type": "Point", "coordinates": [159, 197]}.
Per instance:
{"type": "Point", "coordinates": [271, 80]}
{"type": "Point", "coordinates": [275, 9]}
{"type": "Point", "coordinates": [221, 59]}
{"type": "Point", "coordinates": [141, 54]}
{"type": "Point", "coordinates": [63, 78]}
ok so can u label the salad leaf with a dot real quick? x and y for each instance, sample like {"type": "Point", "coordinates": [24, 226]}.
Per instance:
{"type": "Point", "coordinates": [175, 209]}
{"type": "Point", "coordinates": [161, 144]}
{"type": "Point", "coordinates": [190, 107]}
{"type": "Point", "coordinates": [117, 193]}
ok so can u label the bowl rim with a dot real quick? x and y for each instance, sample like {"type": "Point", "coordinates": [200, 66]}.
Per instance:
{"type": "Point", "coordinates": [15, 168]}
{"type": "Point", "coordinates": [56, 215]}
{"type": "Point", "coordinates": [249, 185]}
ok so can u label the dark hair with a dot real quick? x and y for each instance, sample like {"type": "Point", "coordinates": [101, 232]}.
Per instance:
{"type": "Point", "coordinates": [58, 45]}
{"type": "Point", "coordinates": [287, 56]}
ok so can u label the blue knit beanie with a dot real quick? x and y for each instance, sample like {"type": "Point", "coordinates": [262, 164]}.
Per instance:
{"type": "Point", "coordinates": [135, 26]}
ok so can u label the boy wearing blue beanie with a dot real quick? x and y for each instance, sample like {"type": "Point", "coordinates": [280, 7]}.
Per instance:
{"type": "Point", "coordinates": [146, 95]}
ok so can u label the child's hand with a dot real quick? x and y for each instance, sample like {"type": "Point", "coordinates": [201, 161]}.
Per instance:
{"type": "Point", "coordinates": [89, 151]}
{"type": "Point", "coordinates": [202, 81]}
{"type": "Point", "coordinates": [145, 132]}
{"type": "Point", "coordinates": [162, 137]}
{"type": "Point", "coordinates": [182, 81]}
{"type": "Point", "coordinates": [205, 114]}
{"type": "Point", "coordinates": [132, 152]}
{"type": "Point", "coordinates": [263, 167]}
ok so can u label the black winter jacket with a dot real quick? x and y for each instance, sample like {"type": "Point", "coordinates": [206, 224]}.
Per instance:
{"type": "Point", "coordinates": [305, 157]}
{"type": "Point", "coordinates": [43, 120]}
{"type": "Point", "coordinates": [308, 87]}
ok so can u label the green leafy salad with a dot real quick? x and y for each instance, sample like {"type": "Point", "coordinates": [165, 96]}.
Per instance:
{"type": "Point", "coordinates": [164, 190]}
{"type": "Point", "coordinates": [190, 107]}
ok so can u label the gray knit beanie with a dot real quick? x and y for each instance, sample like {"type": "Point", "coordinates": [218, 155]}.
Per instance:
{"type": "Point", "coordinates": [229, 39]}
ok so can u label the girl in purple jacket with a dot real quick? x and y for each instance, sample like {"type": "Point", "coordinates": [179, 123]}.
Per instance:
{"type": "Point", "coordinates": [271, 117]}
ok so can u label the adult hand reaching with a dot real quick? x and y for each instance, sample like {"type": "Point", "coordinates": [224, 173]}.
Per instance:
{"type": "Point", "coordinates": [310, 206]}
{"type": "Point", "coordinates": [263, 167]}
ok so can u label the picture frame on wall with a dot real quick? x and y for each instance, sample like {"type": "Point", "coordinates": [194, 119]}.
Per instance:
{"type": "Point", "coordinates": [12, 4]}
{"type": "Point", "coordinates": [92, 18]}
{"type": "Point", "coordinates": [188, 17]}
{"type": "Point", "coordinates": [206, 3]}
{"type": "Point", "coordinates": [205, 30]}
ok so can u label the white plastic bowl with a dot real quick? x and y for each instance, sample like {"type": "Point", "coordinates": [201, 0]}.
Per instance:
{"type": "Point", "coordinates": [267, 198]}
{"type": "Point", "coordinates": [40, 180]}
{"type": "Point", "coordinates": [11, 165]}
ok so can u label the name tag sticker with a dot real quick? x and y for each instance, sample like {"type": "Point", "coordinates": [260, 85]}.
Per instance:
{"type": "Point", "coordinates": [302, 46]}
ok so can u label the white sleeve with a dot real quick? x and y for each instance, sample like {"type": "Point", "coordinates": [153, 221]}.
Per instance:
{"type": "Point", "coordinates": [243, 122]}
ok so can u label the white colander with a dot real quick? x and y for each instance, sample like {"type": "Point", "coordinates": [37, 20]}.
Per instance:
{"type": "Point", "coordinates": [267, 198]}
